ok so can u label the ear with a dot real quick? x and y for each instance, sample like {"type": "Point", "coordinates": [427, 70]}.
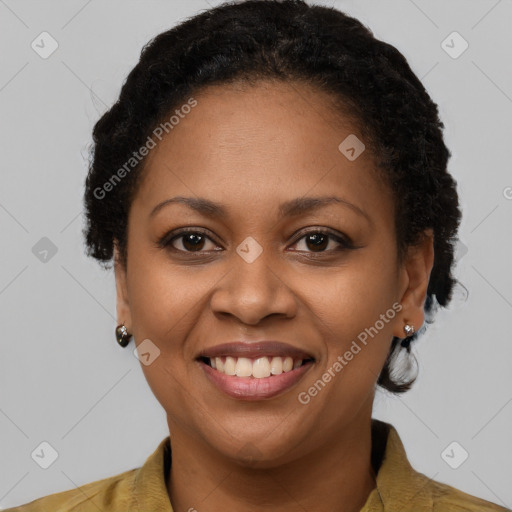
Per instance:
{"type": "Point", "coordinates": [415, 275]}
{"type": "Point", "coordinates": [122, 304]}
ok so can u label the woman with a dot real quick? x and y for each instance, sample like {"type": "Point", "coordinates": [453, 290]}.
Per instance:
{"type": "Point", "coordinates": [272, 188]}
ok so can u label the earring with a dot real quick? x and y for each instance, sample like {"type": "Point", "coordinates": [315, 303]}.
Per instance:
{"type": "Point", "coordinates": [409, 331]}
{"type": "Point", "coordinates": [122, 335]}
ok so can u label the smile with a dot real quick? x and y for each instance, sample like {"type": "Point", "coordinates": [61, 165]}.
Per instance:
{"type": "Point", "coordinates": [254, 379]}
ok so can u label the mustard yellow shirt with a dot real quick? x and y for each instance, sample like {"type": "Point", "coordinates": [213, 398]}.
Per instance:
{"type": "Point", "coordinates": [399, 488]}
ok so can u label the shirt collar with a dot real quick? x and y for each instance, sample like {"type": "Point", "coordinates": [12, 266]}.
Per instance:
{"type": "Point", "coordinates": [397, 483]}
{"type": "Point", "coordinates": [149, 484]}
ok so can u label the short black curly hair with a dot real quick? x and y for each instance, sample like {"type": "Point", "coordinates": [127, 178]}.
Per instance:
{"type": "Point", "coordinates": [289, 40]}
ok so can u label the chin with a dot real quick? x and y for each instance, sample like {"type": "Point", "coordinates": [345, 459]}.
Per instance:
{"type": "Point", "coordinates": [259, 448]}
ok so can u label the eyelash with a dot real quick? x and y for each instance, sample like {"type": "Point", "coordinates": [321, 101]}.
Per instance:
{"type": "Point", "coordinates": [167, 240]}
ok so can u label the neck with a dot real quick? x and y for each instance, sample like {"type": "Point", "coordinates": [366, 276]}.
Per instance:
{"type": "Point", "coordinates": [336, 476]}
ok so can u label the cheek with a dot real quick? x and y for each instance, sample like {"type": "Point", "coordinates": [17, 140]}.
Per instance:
{"type": "Point", "coordinates": [164, 299]}
{"type": "Point", "coordinates": [163, 311]}
{"type": "Point", "coordinates": [356, 313]}
{"type": "Point", "coordinates": [354, 317]}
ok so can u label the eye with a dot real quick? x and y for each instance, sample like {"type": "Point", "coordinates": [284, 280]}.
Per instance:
{"type": "Point", "coordinates": [319, 240]}
{"type": "Point", "coordinates": [196, 240]}
{"type": "Point", "coordinates": [188, 240]}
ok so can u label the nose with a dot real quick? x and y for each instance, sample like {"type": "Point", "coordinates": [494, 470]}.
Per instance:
{"type": "Point", "coordinates": [252, 291]}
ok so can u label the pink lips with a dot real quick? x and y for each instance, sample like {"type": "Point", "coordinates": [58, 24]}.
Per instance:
{"type": "Point", "coordinates": [251, 388]}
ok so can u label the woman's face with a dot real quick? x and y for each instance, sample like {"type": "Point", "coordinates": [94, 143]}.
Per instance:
{"type": "Point", "coordinates": [254, 274]}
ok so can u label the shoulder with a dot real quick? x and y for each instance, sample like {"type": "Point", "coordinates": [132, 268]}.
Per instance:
{"type": "Point", "coordinates": [141, 488]}
{"type": "Point", "coordinates": [113, 494]}
{"type": "Point", "coordinates": [446, 498]}
{"type": "Point", "coordinates": [401, 487]}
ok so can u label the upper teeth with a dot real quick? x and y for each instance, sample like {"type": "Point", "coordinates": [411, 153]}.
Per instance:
{"type": "Point", "coordinates": [259, 368]}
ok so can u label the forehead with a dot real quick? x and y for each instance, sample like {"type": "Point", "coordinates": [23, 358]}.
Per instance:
{"type": "Point", "coordinates": [253, 142]}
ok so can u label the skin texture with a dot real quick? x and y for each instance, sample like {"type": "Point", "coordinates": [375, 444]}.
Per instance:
{"type": "Point", "coordinates": [252, 149]}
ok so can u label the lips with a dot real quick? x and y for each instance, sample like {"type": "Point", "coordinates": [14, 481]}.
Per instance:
{"type": "Point", "coordinates": [254, 370]}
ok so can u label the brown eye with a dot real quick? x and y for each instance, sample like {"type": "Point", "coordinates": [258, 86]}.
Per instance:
{"type": "Point", "coordinates": [192, 241]}
{"type": "Point", "coordinates": [318, 241]}
{"type": "Point", "coordinates": [188, 241]}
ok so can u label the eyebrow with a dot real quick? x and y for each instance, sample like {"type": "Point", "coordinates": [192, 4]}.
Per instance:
{"type": "Point", "coordinates": [290, 208]}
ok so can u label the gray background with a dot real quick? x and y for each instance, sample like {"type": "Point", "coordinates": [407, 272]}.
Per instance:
{"type": "Point", "coordinates": [64, 380]}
